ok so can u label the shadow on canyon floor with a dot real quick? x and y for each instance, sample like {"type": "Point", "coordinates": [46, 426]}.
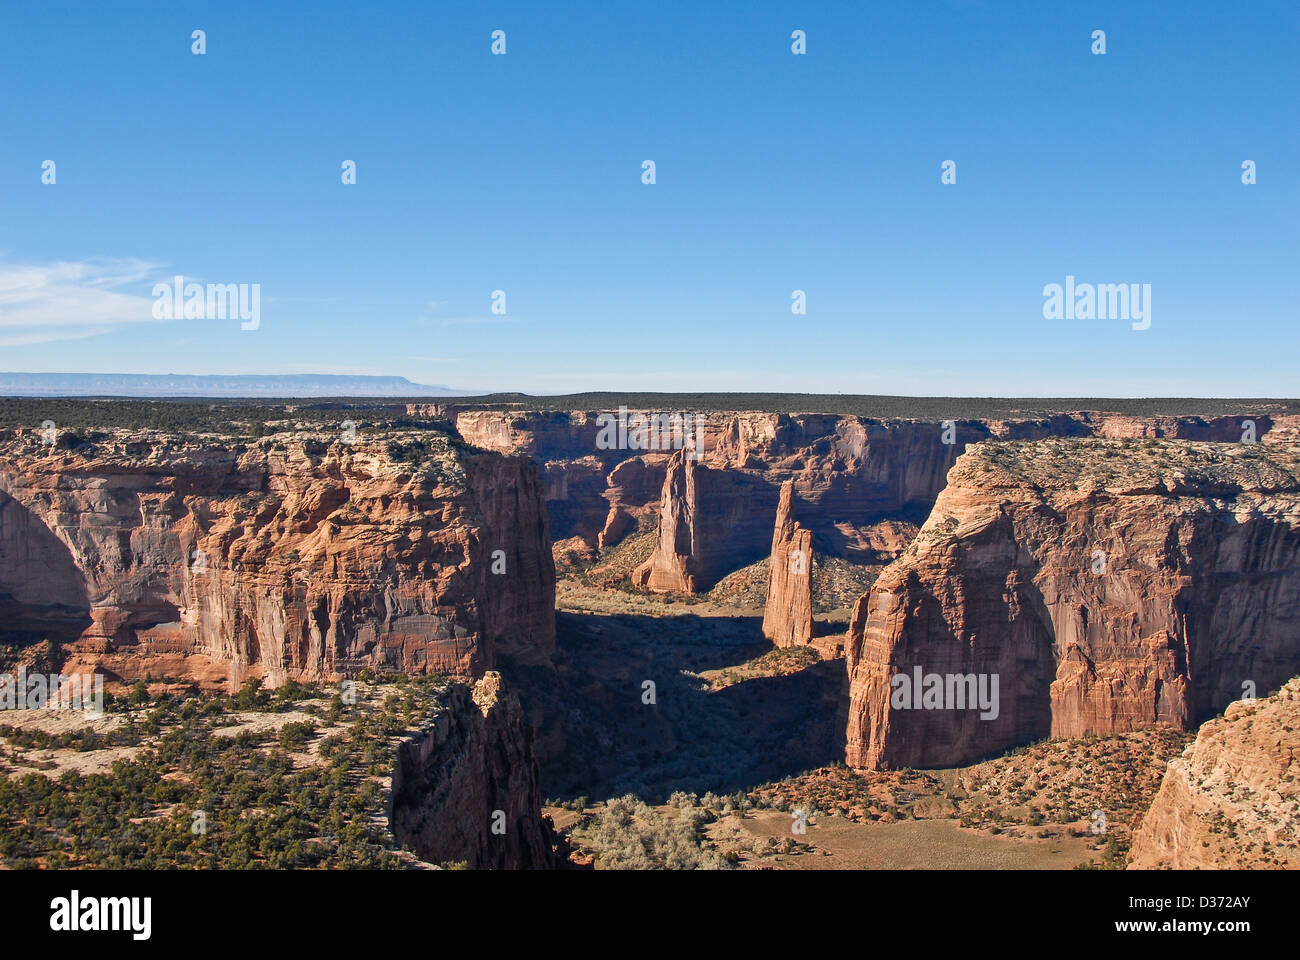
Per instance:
{"type": "Point", "coordinates": [705, 724]}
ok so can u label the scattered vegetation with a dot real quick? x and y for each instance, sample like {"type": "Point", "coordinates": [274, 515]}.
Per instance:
{"type": "Point", "coordinates": [626, 834]}
{"type": "Point", "coordinates": [1180, 466]}
{"type": "Point", "coordinates": [82, 422]}
{"type": "Point", "coordinates": [210, 787]}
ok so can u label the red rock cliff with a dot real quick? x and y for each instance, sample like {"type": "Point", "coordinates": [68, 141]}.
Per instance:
{"type": "Point", "coordinates": [860, 482]}
{"type": "Point", "coordinates": [1108, 585]}
{"type": "Point", "coordinates": [853, 477]}
{"type": "Point", "coordinates": [285, 558]}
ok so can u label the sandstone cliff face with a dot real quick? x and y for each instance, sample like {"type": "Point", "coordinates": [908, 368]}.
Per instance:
{"type": "Point", "coordinates": [594, 494]}
{"type": "Point", "coordinates": [697, 546]}
{"type": "Point", "coordinates": [1108, 585]}
{"type": "Point", "coordinates": [752, 447]}
{"type": "Point", "coordinates": [543, 436]}
{"type": "Point", "coordinates": [287, 558]}
{"type": "Point", "coordinates": [466, 787]}
{"type": "Point", "coordinates": [787, 618]}
{"type": "Point", "coordinates": [1232, 800]}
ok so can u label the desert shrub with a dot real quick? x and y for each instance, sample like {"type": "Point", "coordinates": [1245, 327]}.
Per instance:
{"type": "Point", "coordinates": [629, 835]}
{"type": "Point", "coordinates": [296, 733]}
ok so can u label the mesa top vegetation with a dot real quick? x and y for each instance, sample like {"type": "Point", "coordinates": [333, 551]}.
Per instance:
{"type": "Point", "coordinates": [238, 417]}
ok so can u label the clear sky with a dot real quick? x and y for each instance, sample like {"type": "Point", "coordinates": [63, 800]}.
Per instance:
{"type": "Point", "coordinates": [775, 172]}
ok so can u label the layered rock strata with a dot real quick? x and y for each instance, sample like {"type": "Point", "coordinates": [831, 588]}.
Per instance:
{"type": "Point", "coordinates": [1099, 586]}
{"type": "Point", "coordinates": [858, 480]}
{"type": "Point", "coordinates": [283, 558]}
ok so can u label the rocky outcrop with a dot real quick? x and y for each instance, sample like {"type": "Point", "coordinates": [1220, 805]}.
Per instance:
{"type": "Point", "coordinates": [632, 491]}
{"type": "Point", "coordinates": [290, 557]}
{"type": "Point", "coordinates": [849, 477]}
{"type": "Point", "coordinates": [466, 786]}
{"type": "Point", "coordinates": [698, 546]}
{"type": "Point", "coordinates": [1104, 586]}
{"type": "Point", "coordinates": [668, 568]}
{"type": "Point", "coordinates": [1232, 800]}
{"type": "Point", "coordinates": [787, 618]}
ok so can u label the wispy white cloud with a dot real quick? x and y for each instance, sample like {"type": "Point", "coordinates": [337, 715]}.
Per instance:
{"type": "Point", "coordinates": [72, 300]}
{"type": "Point", "coordinates": [51, 336]}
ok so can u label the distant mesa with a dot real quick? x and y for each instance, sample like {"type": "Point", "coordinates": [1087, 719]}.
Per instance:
{"type": "Point", "coordinates": [185, 385]}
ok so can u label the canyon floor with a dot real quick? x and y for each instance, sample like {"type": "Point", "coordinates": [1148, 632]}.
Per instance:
{"type": "Point", "coordinates": [762, 840]}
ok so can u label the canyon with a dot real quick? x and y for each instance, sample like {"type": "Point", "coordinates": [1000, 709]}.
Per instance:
{"type": "Point", "coordinates": [1115, 572]}
{"type": "Point", "coordinates": [862, 485]}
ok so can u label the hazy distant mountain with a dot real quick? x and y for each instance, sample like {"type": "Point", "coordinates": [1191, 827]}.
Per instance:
{"type": "Point", "coordinates": [184, 385]}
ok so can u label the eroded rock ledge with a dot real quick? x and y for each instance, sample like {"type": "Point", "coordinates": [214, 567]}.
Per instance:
{"type": "Point", "coordinates": [1233, 798]}
{"type": "Point", "coordinates": [1109, 585]}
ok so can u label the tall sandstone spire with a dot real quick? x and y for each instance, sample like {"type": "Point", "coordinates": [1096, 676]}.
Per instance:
{"type": "Point", "coordinates": [787, 620]}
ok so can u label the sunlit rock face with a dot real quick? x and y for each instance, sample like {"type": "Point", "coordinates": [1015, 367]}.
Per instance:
{"type": "Point", "coordinates": [1110, 585]}
{"type": "Point", "coordinates": [787, 617]}
{"type": "Point", "coordinates": [855, 479]}
{"type": "Point", "coordinates": [282, 558]}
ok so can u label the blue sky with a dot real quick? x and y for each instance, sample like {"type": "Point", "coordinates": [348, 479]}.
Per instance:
{"type": "Point", "coordinates": [775, 172]}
